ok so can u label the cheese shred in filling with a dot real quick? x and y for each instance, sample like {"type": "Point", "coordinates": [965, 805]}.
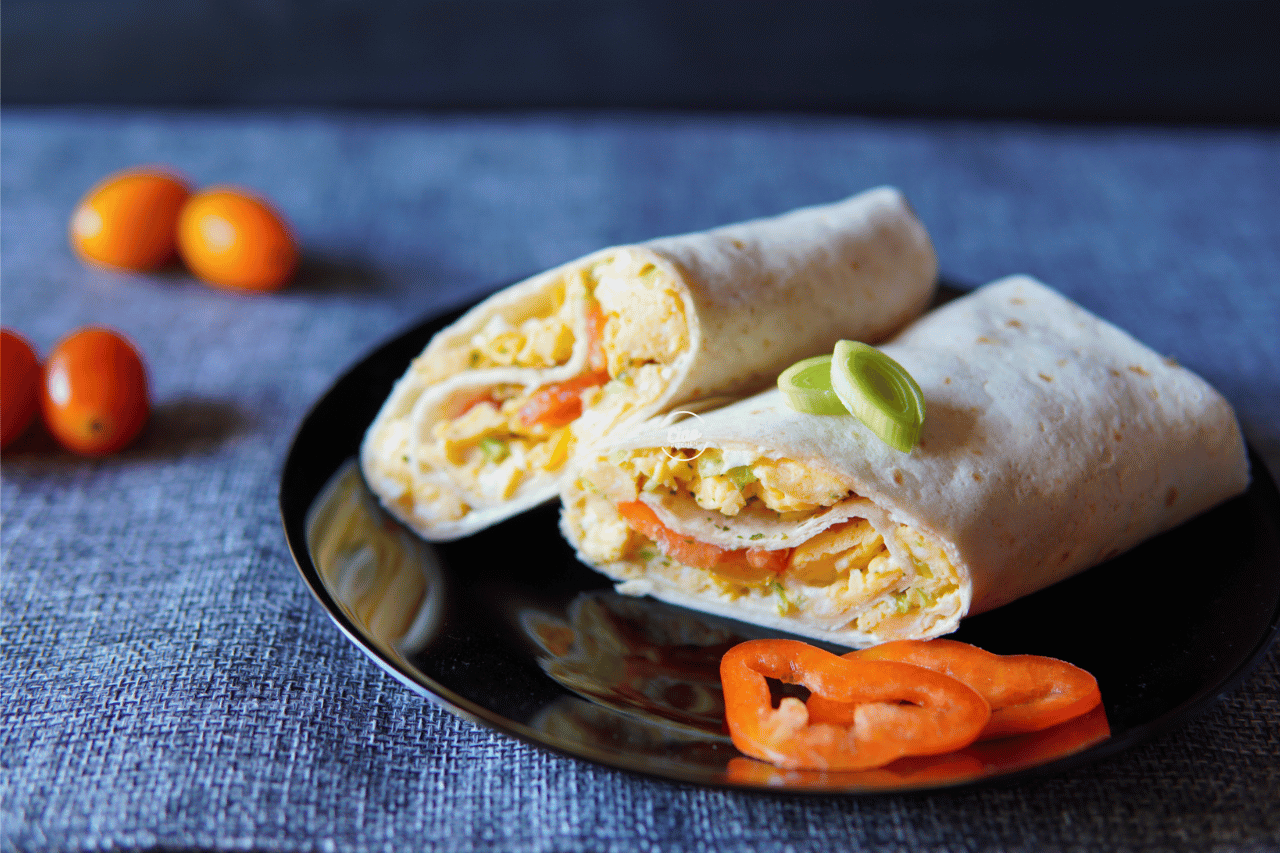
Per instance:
{"type": "Point", "coordinates": [860, 572]}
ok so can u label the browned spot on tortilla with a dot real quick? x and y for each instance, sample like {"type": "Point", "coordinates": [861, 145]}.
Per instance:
{"type": "Point", "coordinates": [1113, 371]}
{"type": "Point", "coordinates": [897, 477]}
{"type": "Point", "coordinates": [1013, 324]}
{"type": "Point", "coordinates": [1017, 300]}
{"type": "Point", "coordinates": [1062, 362]}
{"type": "Point", "coordinates": [1171, 496]}
{"type": "Point", "coordinates": [983, 339]}
{"type": "Point", "coordinates": [1046, 377]}
{"type": "Point", "coordinates": [1118, 435]}
{"type": "Point", "coordinates": [1153, 394]}
{"type": "Point", "coordinates": [977, 477]}
{"type": "Point", "coordinates": [1138, 369]}
{"type": "Point", "coordinates": [947, 381]}
{"type": "Point", "coordinates": [975, 451]}
{"type": "Point", "coordinates": [854, 265]}
{"type": "Point", "coordinates": [1171, 361]}
{"type": "Point", "coordinates": [738, 244]}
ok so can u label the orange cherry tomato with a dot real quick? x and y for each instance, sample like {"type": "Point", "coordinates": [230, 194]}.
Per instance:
{"type": "Point", "coordinates": [94, 395]}
{"type": "Point", "coordinates": [232, 238]}
{"type": "Point", "coordinates": [129, 221]}
{"type": "Point", "coordinates": [20, 384]}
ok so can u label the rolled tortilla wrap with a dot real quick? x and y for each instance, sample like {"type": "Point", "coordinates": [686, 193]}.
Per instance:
{"type": "Point", "coordinates": [483, 422]}
{"type": "Point", "coordinates": [1052, 441]}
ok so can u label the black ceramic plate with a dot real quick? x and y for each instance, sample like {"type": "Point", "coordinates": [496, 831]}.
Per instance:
{"type": "Point", "coordinates": [507, 629]}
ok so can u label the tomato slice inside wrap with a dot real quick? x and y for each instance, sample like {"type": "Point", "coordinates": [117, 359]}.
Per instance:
{"type": "Point", "coordinates": [559, 403]}
{"type": "Point", "coordinates": [896, 709]}
{"type": "Point", "coordinates": [641, 518]}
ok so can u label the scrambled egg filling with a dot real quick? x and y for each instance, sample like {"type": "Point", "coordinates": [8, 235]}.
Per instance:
{"type": "Point", "coordinates": [845, 575]}
{"type": "Point", "coordinates": [781, 485]}
{"type": "Point", "coordinates": [651, 329]}
{"type": "Point", "coordinates": [543, 340]}
{"type": "Point", "coordinates": [487, 451]}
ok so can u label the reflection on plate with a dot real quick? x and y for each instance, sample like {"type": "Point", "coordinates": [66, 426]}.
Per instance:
{"type": "Point", "coordinates": [508, 630]}
{"type": "Point", "coordinates": [384, 578]}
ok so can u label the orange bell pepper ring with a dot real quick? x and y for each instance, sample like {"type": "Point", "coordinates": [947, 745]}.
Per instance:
{"type": "Point", "coordinates": [1027, 693]}
{"type": "Point", "coordinates": [897, 709]}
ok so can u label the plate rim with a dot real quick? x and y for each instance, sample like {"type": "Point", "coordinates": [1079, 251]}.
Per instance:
{"type": "Point", "coordinates": [293, 522]}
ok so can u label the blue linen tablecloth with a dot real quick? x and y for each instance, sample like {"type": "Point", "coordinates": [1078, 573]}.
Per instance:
{"type": "Point", "coordinates": [169, 682]}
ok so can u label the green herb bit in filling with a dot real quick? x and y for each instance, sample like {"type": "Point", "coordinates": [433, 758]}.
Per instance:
{"type": "Point", "coordinates": [494, 449]}
{"type": "Point", "coordinates": [785, 605]}
{"type": "Point", "coordinates": [904, 602]}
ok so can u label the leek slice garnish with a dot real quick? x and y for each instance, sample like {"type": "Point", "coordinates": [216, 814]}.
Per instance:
{"type": "Point", "coordinates": [806, 385]}
{"type": "Point", "coordinates": [879, 392]}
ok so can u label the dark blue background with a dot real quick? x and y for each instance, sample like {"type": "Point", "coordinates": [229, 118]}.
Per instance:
{"type": "Point", "coordinates": [1189, 61]}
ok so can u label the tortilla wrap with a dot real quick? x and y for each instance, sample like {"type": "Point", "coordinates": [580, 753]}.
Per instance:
{"type": "Point", "coordinates": [1052, 441]}
{"type": "Point", "coordinates": [485, 419]}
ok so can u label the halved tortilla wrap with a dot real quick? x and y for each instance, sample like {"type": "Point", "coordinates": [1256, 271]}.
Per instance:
{"type": "Point", "coordinates": [1052, 441]}
{"type": "Point", "coordinates": [485, 419]}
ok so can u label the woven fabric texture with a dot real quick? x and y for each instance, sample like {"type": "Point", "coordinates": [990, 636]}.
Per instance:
{"type": "Point", "coordinates": [169, 682]}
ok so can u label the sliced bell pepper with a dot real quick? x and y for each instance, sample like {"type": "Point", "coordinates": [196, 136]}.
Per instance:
{"type": "Point", "coordinates": [1027, 693]}
{"type": "Point", "coordinates": [900, 709]}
